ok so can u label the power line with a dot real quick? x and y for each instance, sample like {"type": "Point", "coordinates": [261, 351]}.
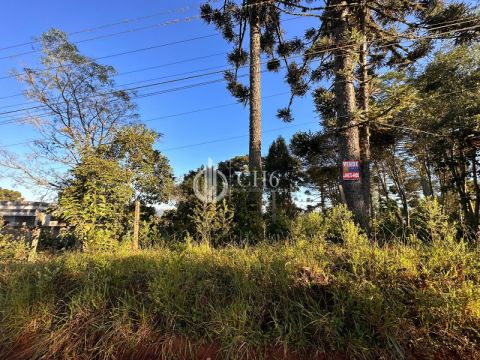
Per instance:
{"type": "Point", "coordinates": [135, 51]}
{"type": "Point", "coordinates": [146, 68]}
{"type": "Point", "coordinates": [105, 26]}
{"type": "Point", "coordinates": [413, 130]}
{"type": "Point", "coordinates": [205, 142]}
{"type": "Point", "coordinates": [225, 139]}
{"type": "Point", "coordinates": [139, 70]}
{"type": "Point", "coordinates": [187, 60]}
{"type": "Point", "coordinates": [332, 132]}
{"type": "Point", "coordinates": [172, 22]}
{"type": "Point", "coordinates": [171, 115]}
{"type": "Point", "coordinates": [208, 108]}
{"type": "Point", "coordinates": [14, 120]}
{"type": "Point", "coordinates": [156, 84]}
{"type": "Point", "coordinates": [145, 86]}
{"type": "Point", "coordinates": [172, 63]}
{"type": "Point", "coordinates": [222, 70]}
{"type": "Point", "coordinates": [166, 91]}
{"type": "Point", "coordinates": [420, 131]}
{"type": "Point", "coordinates": [452, 22]}
{"type": "Point", "coordinates": [17, 144]}
{"type": "Point", "coordinates": [166, 23]}
{"type": "Point", "coordinates": [146, 17]}
{"type": "Point", "coordinates": [166, 116]}
{"type": "Point", "coordinates": [234, 137]}
{"type": "Point", "coordinates": [140, 50]}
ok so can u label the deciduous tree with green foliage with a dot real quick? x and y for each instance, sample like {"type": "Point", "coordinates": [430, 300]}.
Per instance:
{"type": "Point", "coordinates": [91, 148]}
{"type": "Point", "coordinates": [94, 200]}
{"type": "Point", "coordinates": [151, 175]}
{"type": "Point", "coordinates": [81, 110]}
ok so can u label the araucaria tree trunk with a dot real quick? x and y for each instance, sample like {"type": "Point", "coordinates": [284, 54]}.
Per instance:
{"type": "Point", "coordinates": [346, 109]}
{"type": "Point", "coordinates": [255, 145]}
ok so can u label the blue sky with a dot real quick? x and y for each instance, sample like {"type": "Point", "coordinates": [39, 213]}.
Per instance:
{"type": "Point", "coordinates": [23, 20]}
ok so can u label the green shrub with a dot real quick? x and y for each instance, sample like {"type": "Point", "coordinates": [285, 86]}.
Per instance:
{"type": "Point", "coordinates": [280, 227]}
{"type": "Point", "coordinates": [330, 226]}
{"type": "Point", "coordinates": [430, 223]}
{"type": "Point", "coordinates": [12, 249]}
{"type": "Point", "coordinates": [213, 223]}
{"type": "Point", "coordinates": [308, 226]}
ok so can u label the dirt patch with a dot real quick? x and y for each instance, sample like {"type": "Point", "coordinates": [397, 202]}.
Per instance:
{"type": "Point", "coordinates": [175, 347]}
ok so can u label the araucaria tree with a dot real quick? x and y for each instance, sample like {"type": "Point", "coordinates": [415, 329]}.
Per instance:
{"type": "Point", "coordinates": [260, 20]}
{"type": "Point", "coordinates": [353, 42]}
{"type": "Point", "coordinates": [440, 133]}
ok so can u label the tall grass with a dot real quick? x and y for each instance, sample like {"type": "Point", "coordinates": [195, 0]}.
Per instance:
{"type": "Point", "coordinates": [328, 291]}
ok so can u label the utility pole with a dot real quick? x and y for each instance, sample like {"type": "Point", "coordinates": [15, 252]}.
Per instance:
{"type": "Point", "coordinates": [35, 235]}
{"type": "Point", "coordinates": [136, 225]}
{"type": "Point", "coordinates": [274, 206]}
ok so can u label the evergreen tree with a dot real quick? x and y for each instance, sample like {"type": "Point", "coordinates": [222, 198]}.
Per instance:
{"type": "Point", "coordinates": [317, 155]}
{"type": "Point", "coordinates": [354, 40]}
{"type": "Point", "coordinates": [282, 179]}
{"type": "Point", "coordinates": [261, 21]}
{"type": "Point", "coordinates": [450, 126]}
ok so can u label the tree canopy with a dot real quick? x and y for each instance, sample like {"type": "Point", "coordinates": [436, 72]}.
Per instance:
{"type": "Point", "coordinates": [10, 195]}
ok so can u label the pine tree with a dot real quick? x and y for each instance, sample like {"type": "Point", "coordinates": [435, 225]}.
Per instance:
{"type": "Point", "coordinates": [356, 39]}
{"type": "Point", "coordinates": [261, 21]}
{"type": "Point", "coordinates": [282, 178]}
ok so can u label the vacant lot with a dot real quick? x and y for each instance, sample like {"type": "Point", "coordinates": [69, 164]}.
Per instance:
{"type": "Point", "coordinates": [339, 297]}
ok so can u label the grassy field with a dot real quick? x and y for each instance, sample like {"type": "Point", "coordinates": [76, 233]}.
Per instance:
{"type": "Point", "coordinates": [329, 293]}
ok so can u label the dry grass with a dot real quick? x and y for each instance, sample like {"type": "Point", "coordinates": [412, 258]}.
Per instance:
{"type": "Point", "coordinates": [308, 298]}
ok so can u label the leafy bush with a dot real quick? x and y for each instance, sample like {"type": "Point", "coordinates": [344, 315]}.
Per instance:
{"type": "Point", "coordinates": [280, 227]}
{"type": "Point", "coordinates": [329, 226]}
{"type": "Point", "coordinates": [388, 222]}
{"type": "Point", "coordinates": [308, 226]}
{"type": "Point", "coordinates": [11, 249]}
{"type": "Point", "coordinates": [430, 223]}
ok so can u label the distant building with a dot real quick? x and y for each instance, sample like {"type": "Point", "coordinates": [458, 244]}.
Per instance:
{"type": "Point", "coordinates": [27, 213]}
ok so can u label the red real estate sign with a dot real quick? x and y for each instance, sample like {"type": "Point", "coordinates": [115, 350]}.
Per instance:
{"type": "Point", "coordinates": [351, 170]}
